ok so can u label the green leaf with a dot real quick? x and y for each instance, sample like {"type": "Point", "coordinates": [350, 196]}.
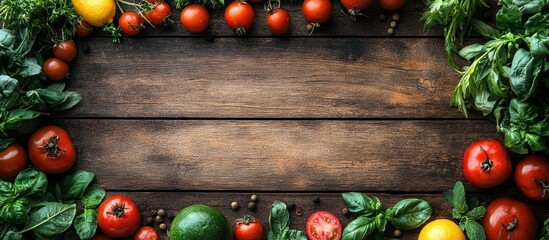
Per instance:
{"type": "Point", "coordinates": [74, 185]}
{"type": "Point", "coordinates": [409, 213]}
{"type": "Point", "coordinates": [484, 29]}
{"type": "Point", "coordinates": [359, 229]}
{"type": "Point", "coordinates": [7, 38]}
{"type": "Point", "coordinates": [539, 23]}
{"type": "Point", "coordinates": [31, 67]}
{"type": "Point", "coordinates": [7, 85]}
{"type": "Point", "coordinates": [52, 219]}
{"type": "Point", "coordinates": [477, 212]}
{"type": "Point", "coordinates": [13, 234]}
{"type": "Point", "coordinates": [21, 121]}
{"type": "Point", "coordinates": [522, 112]}
{"type": "Point", "coordinates": [5, 142]}
{"type": "Point", "coordinates": [509, 18]}
{"type": "Point", "coordinates": [530, 7]}
{"type": "Point", "coordinates": [15, 211]}
{"type": "Point", "coordinates": [456, 198]}
{"type": "Point", "coordinates": [472, 51]}
{"type": "Point", "coordinates": [57, 101]}
{"type": "Point", "coordinates": [279, 219]}
{"type": "Point", "coordinates": [525, 74]}
{"type": "Point", "coordinates": [474, 230]}
{"type": "Point", "coordinates": [360, 204]}
{"type": "Point", "coordinates": [539, 45]}
{"type": "Point", "coordinates": [86, 224]}
{"type": "Point", "coordinates": [514, 140]}
{"type": "Point", "coordinates": [381, 222]}
{"type": "Point", "coordinates": [93, 196]}
{"type": "Point", "coordinates": [293, 234]}
{"type": "Point", "coordinates": [31, 182]}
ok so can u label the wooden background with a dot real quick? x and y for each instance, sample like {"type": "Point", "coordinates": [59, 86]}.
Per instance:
{"type": "Point", "coordinates": [171, 118]}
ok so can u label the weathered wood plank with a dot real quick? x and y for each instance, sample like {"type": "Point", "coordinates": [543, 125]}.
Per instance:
{"type": "Point", "coordinates": [264, 78]}
{"type": "Point", "coordinates": [231, 155]}
{"type": "Point", "coordinates": [174, 201]}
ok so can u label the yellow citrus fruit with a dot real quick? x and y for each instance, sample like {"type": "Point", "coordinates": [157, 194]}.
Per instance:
{"type": "Point", "coordinates": [441, 229]}
{"type": "Point", "coordinates": [96, 12]}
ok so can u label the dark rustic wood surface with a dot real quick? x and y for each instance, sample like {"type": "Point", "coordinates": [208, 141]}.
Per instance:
{"type": "Point", "coordinates": [172, 119]}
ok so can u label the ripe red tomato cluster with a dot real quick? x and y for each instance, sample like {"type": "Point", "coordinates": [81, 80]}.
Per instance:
{"type": "Point", "coordinates": [56, 68]}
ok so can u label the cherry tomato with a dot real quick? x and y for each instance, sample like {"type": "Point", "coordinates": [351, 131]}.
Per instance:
{"type": "Point", "coordinates": [248, 228]}
{"type": "Point", "coordinates": [195, 18]}
{"type": "Point", "coordinates": [532, 177]}
{"type": "Point", "coordinates": [317, 11]}
{"type": "Point", "coordinates": [100, 236]}
{"type": "Point", "coordinates": [323, 225]}
{"type": "Point", "coordinates": [239, 16]}
{"type": "Point", "coordinates": [55, 69]}
{"type": "Point", "coordinates": [84, 29]}
{"type": "Point", "coordinates": [51, 150]}
{"type": "Point", "coordinates": [391, 4]}
{"type": "Point", "coordinates": [486, 164]}
{"type": "Point", "coordinates": [146, 233]}
{"type": "Point", "coordinates": [354, 6]}
{"type": "Point", "coordinates": [66, 51]}
{"type": "Point", "coordinates": [278, 21]}
{"type": "Point", "coordinates": [507, 218]}
{"type": "Point", "coordinates": [130, 23]}
{"type": "Point", "coordinates": [13, 160]}
{"type": "Point", "coordinates": [160, 12]}
{"type": "Point", "coordinates": [118, 216]}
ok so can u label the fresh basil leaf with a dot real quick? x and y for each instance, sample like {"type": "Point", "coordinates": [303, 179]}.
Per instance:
{"type": "Point", "coordinates": [279, 219]}
{"type": "Point", "coordinates": [30, 68]}
{"type": "Point", "coordinates": [509, 18]}
{"type": "Point", "coordinates": [531, 7]}
{"type": "Point", "coordinates": [93, 196]}
{"type": "Point", "coordinates": [293, 234]}
{"type": "Point", "coordinates": [86, 224]}
{"type": "Point", "coordinates": [539, 23]}
{"type": "Point", "coordinates": [74, 185]}
{"type": "Point", "coordinates": [472, 51]}
{"type": "Point", "coordinates": [7, 191]}
{"type": "Point", "coordinates": [381, 222]}
{"type": "Point", "coordinates": [484, 29]}
{"type": "Point", "coordinates": [13, 234]}
{"type": "Point", "coordinates": [21, 121]}
{"type": "Point", "coordinates": [360, 204]}
{"type": "Point", "coordinates": [536, 143]}
{"type": "Point", "coordinates": [484, 103]}
{"type": "Point", "coordinates": [57, 86]}
{"type": "Point", "coordinates": [525, 74]}
{"type": "Point", "coordinates": [456, 198]}
{"type": "Point", "coordinates": [7, 38]}
{"type": "Point", "coordinates": [7, 85]}
{"type": "Point", "coordinates": [522, 112]}
{"type": "Point", "coordinates": [15, 211]}
{"type": "Point", "coordinates": [52, 219]}
{"type": "Point", "coordinates": [477, 212]}
{"type": "Point", "coordinates": [409, 213]}
{"type": "Point", "coordinates": [514, 140]}
{"type": "Point", "coordinates": [31, 182]}
{"type": "Point", "coordinates": [474, 230]}
{"type": "Point", "coordinates": [359, 229]}
{"type": "Point", "coordinates": [56, 100]}
{"type": "Point", "coordinates": [539, 46]}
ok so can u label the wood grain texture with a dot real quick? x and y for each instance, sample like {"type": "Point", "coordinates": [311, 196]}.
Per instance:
{"type": "Point", "coordinates": [292, 156]}
{"type": "Point", "coordinates": [264, 78]}
{"type": "Point", "coordinates": [173, 202]}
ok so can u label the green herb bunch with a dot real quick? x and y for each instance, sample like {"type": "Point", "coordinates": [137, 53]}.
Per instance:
{"type": "Point", "coordinates": [508, 76]}
{"type": "Point", "coordinates": [32, 207]}
{"type": "Point", "coordinates": [467, 211]}
{"type": "Point", "coordinates": [279, 222]}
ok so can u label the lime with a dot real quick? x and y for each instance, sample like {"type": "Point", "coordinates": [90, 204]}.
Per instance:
{"type": "Point", "coordinates": [200, 222]}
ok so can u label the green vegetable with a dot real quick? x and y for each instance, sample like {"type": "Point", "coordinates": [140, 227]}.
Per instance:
{"type": "Point", "coordinates": [279, 222]}
{"type": "Point", "coordinates": [212, 3]}
{"type": "Point", "coordinates": [545, 230]}
{"type": "Point", "coordinates": [405, 215]}
{"type": "Point", "coordinates": [468, 213]}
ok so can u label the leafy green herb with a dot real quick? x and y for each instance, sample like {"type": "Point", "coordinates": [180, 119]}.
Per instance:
{"type": "Point", "coordinates": [212, 3]}
{"type": "Point", "coordinates": [406, 215]}
{"type": "Point", "coordinates": [545, 230]}
{"type": "Point", "coordinates": [279, 222]}
{"type": "Point", "coordinates": [468, 213]}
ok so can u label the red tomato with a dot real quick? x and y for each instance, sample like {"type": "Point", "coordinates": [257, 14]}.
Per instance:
{"type": "Point", "coordinates": [354, 6]}
{"type": "Point", "coordinates": [84, 29]}
{"type": "Point", "coordinates": [532, 177]}
{"type": "Point", "coordinates": [55, 69]}
{"type": "Point", "coordinates": [146, 233]}
{"type": "Point", "coordinates": [195, 18]}
{"type": "Point", "coordinates": [323, 225]}
{"type": "Point", "coordinates": [118, 216]}
{"type": "Point", "coordinates": [507, 218]}
{"type": "Point", "coordinates": [13, 160]}
{"type": "Point", "coordinates": [317, 11]}
{"type": "Point", "coordinates": [486, 164]}
{"type": "Point", "coordinates": [51, 150]}
{"type": "Point", "coordinates": [391, 4]}
{"type": "Point", "coordinates": [278, 21]}
{"type": "Point", "coordinates": [130, 23]}
{"type": "Point", "coordinates": [100, 236]}
{"type": "Point", "coordinates": [66, 51]}
{"type": "Point", "coordinates": [160, 12]}
{"type": "Point", "coordinates": [248, 228]}
{"type": "Point", "coordinates": [239, 16]}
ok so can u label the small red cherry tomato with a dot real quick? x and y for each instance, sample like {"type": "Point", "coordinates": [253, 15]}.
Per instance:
{"type": "Point", "coordinates": [84, 29]}
{"type": "Point", "coordinates": [118, 216]}
{"type": "Point", "coordinates": [239, 16]}
{"type": "Point", "coordinates": [195, 18]}
{"type": "Point", "coordinates": [278, 21]}
{"type": "Point", "coordinates": [66, 51]}
{"type": "Point", "coordinates": [13, 160]}
{"type": "Point", "coordinates": [317, 11]}
{"type": "Point", "coordinates": [159, 14]}
{"type": "Point", "coordinates": [55, 69]}
{"type": "Point", "coordinates": [130, 23]}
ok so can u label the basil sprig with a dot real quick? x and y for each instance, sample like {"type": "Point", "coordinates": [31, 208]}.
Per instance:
{"type": "Point", "coordinates": [279, 222]}
{"type": "Point", "coordinates": [405, 215]}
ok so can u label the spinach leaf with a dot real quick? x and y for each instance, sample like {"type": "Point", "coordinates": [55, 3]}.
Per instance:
{"type": "Point", "coordinates": [539, 23]}
{"type": "Point", "coordinates": [93, 196]}
{"type": "Point", "coordinates": [509, 19]}
{"type": "Point", "coordinates": [86, 224]}
{"type": "Point", "coordinates": [279, 219]}
{"type": "Point", "coordinates": [31, 182]}
{"type": "Point", "coordinates": [359, 229]}
{"type": "Point", "coordinates": [30, 68]}
{"type": "Point", "coordinates": [74, 185]}
{"type": "Point", "coordinates": [522, 112]}
{"type": "Point", "coordinates": [7, 38]}
{"type": "Point", "coordinates": [7, 85]}
{"type": "Point", "coordinates": [484, 29]}
{"type": "Point", "coordinates": [409, 213]}
{"type": "Point", "coordinates": [360, 204]}
{"type": "Point", "coordinates": [529, 6]}
{"type": "Point", "coordinates": [525, 74]}
{"type": "Point", "coordinates": [539, 46]}
{"type": "Point", "coordinates": [52, 219]}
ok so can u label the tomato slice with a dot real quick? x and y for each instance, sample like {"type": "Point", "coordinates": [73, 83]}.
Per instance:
{"type": "Point", "coordinates": [323, 225]}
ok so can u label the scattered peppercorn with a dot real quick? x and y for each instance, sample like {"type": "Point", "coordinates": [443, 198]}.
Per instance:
{"type": "Point", "coordinates": [299, 211]}
{"type": "Point", "coordinates": [393, 24]}
{"type": "Point", "coordinates": [234, 205]}
{"type": "Point", "coordinates": [397, 233]}
{"type": "Point", "coordinates": [149, 221]}
{"type": "Point", "coordinates": [396, 17]}
{"type": "Point", "coordinates": [345, 211]}
{"type": "Point", "coordinates": [162, 212]}
{"type": "Point", "coordinates": [253, 198]}
{"type": "Point", "coordinates": [316, 199]}
{"type": "Point", "coordinates": [291, 206]}
{"type": "Point", "coordinates": [163, 226]}
{"type": "Point", "coordinates": [154, 212]}
{"type": "Point", "coordinates": [251, 205]}
{"type": "Point", "coordinates": [390, 31]}
{"type": "Point", "coordinates": [159, 219]}
{"type": "Point", "coordinates": [382, 17]}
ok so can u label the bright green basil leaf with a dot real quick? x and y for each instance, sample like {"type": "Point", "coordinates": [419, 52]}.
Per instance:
{"type": "Point", "coordinates": [58, 101]}
{"type": "Point", "coordinates": [31, 67]}
{"type": "Point", "coordinates": [74, 185]}
{"type": "Point", "coordinates": [484, 103]}
{"type": "Point", "coordinates": [541, 128]}
{"type": "Point", "coordinates": [31, 182]}
{"type": "Point", "coordinates": [21, 121]}
{"type": "Point", "coordinates": [13, 234]}
{"type": "Point", "coordinates": [456, 198]}
{"type": "Point", "coordinates": [279, 219]}
{"type": "Point", "coordinates": [522, 113]}
{"type": "Point", "coordinates": [536, 143]}
{"type": "Point", "coordinates": [484, 29]}
{"type": "Point", "coordinates": [525, 74]}
{"type": "Point", "coordinates": [293, 234]}
{"type": "Point", "coordinates": [509, 18]}
{"type": "Point", "coordinates": [472, 51]}
{"type": "Point", "coordinates": [93, 196]}
{"type": "Point", "coordinates": [52, 219]}
{"type": "Point", "coordinates": [7, 191]}
{"type": "Point", "coordinates": [360, 204]}
{"type": "Point", "coordinates": [539, 23]}
{"type": "Point", "coordinates": [530, 7]}
{"type": "Point", "coordinates": [15, 211]}
{"type": "Point", "coordinates": [86, 224]}
{"type": "Point", "coordinates": [477, 212]}
{"type": "Point", "coordinates": [514, 140]}
{"type": "Point", "coordinates": [409, 213]}
{"type": "Point", "coordinates": [7, 38]}
{"type": "Point", "coordinates": [474, 230]}
{"type": "Point", "coordinates": [381, 222]}
{"type": "Point", "coordinates": [359, 229]}
{"type": "Point", "coordinates": [7, 85]}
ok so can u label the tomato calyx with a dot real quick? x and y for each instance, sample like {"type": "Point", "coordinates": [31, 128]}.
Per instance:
{"type": "Point", "coordinates": [312, 26]}
{"type": "Point", "coordinates": [118, 211]}
{"type": "Point", "coordinates": [510, 227]}
{"type": "Point", "coordinates": [487, 164]}
{"type": "Point", "coordinates": [52, 148]}
{"type": "Point", "coordinates": [353, 12]}
{"type": "Point", "coordinates": [543, 184]}
{"type": "Point", "coordinates": [246, 219]}
{"type": "Point", "coordinates": [240, 31]}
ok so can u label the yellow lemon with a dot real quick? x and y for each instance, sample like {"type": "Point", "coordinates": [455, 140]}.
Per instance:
{"type": "Point", "coordinates": [96, 12]}
{"type": "Point", "coordinates": [441, 229]}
